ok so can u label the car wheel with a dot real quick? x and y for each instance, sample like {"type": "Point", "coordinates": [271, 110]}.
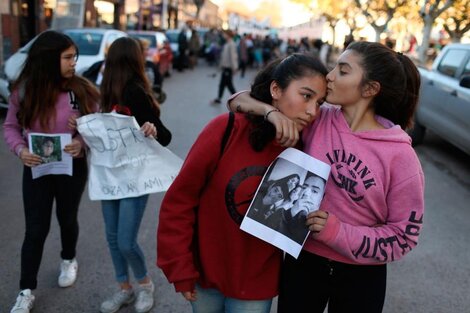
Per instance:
{"type": "Point", "coordinates": [417, 134]}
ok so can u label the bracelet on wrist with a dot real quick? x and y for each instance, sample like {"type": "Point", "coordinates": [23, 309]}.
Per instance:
{"type": "Point", "coordinates": [269, 112]}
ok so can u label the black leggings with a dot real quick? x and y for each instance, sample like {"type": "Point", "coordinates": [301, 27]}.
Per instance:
{"type": "Point", "coordinates": [38, 198]}
{"type": "Point", "coordinates": [311, 282]}
{"type": "Point", "coordinates": [226, 80]}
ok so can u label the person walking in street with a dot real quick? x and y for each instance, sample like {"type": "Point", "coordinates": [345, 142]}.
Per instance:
{"type": "Point", "coordinates": [243, 52]}
{"type": "Point", "coordinates": [200, 246]}
{"type": "Point", "coordinates": [126, 89]}
{"type": "Point", "coordinates": [228, 64]}
{"type": "Point", "coordinates": [182, 59]}
{"type": "Point", "coordinates": [152, 71]}
{"type": "Point", "coordinates": [194, 47]}
{"type": "Point", "coordinates": [46, 98]}
{"type": "Point", "coordinates": [372, 212]}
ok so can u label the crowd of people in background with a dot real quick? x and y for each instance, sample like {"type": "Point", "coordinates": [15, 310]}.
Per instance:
{"type": "Point", "coordinates": [254, 50]}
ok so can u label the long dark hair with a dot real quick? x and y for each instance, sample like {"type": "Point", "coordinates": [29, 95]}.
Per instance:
{"type": "Point", "coordinates": [41, 81]}
{"type": "Point", "coordinates": [398, 77]}
{"type": "Point", "coordinates": [124, 63]}
{"type": "Point", "coordinates": [283, 72]}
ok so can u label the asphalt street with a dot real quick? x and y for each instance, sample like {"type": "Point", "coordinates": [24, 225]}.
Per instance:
{"type": "Point", "coordinates": [433, 278]}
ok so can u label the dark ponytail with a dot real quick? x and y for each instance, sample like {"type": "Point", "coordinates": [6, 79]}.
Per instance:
{"type": "Point", "coordinates": [411, 96]}
{"type": "Point", "coordinates": [398, 78]}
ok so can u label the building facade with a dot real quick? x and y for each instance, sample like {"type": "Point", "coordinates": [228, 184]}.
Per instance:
{"type": "Point", "coordinates": [22, 20]}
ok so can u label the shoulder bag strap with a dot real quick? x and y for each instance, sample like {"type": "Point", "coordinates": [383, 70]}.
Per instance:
{"type": "Point", "coordinates": [227, 133]}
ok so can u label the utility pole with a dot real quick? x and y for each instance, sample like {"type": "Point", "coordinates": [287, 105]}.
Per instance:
{"type": "Point", "coordinates": [164, 14]}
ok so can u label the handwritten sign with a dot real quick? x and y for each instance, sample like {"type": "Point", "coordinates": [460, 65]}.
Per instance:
{"type": "Point", "coordinates": [123, 162]}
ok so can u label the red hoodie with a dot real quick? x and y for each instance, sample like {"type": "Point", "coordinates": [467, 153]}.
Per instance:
{"type": "Point", "coordinates": [206, 203]}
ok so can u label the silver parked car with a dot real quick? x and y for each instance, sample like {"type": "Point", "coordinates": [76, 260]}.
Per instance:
{"type": "Point", "coordinates": [444, 105]}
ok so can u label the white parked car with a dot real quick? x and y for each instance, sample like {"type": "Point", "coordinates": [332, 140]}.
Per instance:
{"type": "Point", "coordinates": [92, 44]}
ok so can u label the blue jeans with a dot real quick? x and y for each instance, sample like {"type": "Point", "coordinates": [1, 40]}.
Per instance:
{"type": "Point", "coordinates": [213, 301]}
{"type": "Point", "coordinates": [122, 221]}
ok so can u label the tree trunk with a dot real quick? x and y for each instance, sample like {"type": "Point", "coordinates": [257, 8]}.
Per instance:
{"type": "Point", "coordinates": [377, 34]}
{"type": "Point", "coordinates": [456, 38]}
{"type": "Point", "coordinates": [428, 20]}
{"type": "Point", "coordinates": [333, 26]}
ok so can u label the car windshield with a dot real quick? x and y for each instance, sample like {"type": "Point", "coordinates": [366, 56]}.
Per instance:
{"type": "Point", "coordinates": [88, 43]}
{"type": "Point", "coordinates": [150, 38]}
{"type": "Point", "coordinates": [172, 36]}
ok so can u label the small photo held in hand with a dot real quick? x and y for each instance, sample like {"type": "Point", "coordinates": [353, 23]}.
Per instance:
{"type": "Point", "coordinates": [48, 148]}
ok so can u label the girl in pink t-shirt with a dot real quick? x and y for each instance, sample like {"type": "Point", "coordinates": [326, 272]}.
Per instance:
{"type": "Point", "coordinates": [47, 98]}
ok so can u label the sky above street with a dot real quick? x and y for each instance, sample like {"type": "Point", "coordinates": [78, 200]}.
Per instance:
{"type": "Point", "coordinates": [290, 13]}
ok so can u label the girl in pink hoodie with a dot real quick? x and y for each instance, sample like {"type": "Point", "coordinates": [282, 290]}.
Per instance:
{"type": "Point", "coordinates": [47, 97]}
{"type": "Point", "coordinates": [372, 212]}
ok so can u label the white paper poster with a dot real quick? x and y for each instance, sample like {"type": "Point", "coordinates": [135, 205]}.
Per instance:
{"type": "Point", "coordinates": [50, 147]}
{"type": "Point", "coordinates": [292, 187]}
{"type": "Point", "coordinates": [123, 163]}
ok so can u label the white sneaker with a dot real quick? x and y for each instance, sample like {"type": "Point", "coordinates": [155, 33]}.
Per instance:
{"type": "Point", "coordinates": [117, 300]}
{"type": "Point", "coordinates": [68, 272]}
{"type": "Point", "coordinates": [24, 302]}
{"type": "Point", "coordinates": [144, 298]}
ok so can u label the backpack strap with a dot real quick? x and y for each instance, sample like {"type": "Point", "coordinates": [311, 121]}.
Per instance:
{"type": "Point", "coordinates": [73, 100]}
{"type": "Point", "coordinates": [227, 133]}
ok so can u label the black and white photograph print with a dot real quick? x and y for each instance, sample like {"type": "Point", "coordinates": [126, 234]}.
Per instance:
{"type": "Point", "coordinates": [292, 187]}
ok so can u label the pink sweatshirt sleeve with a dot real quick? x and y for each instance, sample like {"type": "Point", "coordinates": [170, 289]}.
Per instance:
{"type": "Point", "coordinates": [13, 132]}
{"type": "Point", "coordinates": [233, 97]}
{"type": "Point", "coordinates": [381, 243]}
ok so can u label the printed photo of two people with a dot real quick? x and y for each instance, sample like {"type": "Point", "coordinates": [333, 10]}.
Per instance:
{"type": "Point", "coordinates": [289, 191]}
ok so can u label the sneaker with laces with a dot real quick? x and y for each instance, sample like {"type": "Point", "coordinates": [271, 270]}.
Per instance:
{"type": "Point", "coordinates": [144, 298]}
{"type": "Point", "coordinates": [117, 300]}
{"type": "Point", "coordinates": [68, 273]}
{"type": "Point", "coordinates": [24, 302]}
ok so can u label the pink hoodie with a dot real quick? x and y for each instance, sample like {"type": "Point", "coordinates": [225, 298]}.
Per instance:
{"type": "Point", "coordinates": [375, 192]}
{"type": "Point", "coordinates": [17, 138]}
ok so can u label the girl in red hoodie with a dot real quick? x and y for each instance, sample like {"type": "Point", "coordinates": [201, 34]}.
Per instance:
{"type": "Point", "coordinates": [200, 246]}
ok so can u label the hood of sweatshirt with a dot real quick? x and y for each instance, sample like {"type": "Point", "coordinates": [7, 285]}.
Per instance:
{"type": "Point", "coordinates": [391, 132]}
